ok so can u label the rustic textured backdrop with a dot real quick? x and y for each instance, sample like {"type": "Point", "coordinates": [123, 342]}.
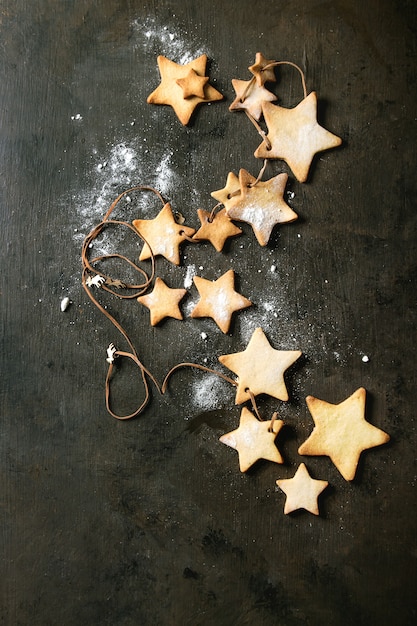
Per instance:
{"type": "Point", "coordinates": [149, 521]}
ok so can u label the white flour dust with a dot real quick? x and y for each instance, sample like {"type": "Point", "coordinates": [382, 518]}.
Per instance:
{"type": "Point", "coordinates": [210, 392]}
{"type": "Point", "coordinates": [173, 42]}
{"type": "Point", "coordinates": [124, 166]}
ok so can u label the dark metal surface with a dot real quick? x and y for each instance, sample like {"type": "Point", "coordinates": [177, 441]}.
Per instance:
{"type": "Point", "coordinates": [149, 521]}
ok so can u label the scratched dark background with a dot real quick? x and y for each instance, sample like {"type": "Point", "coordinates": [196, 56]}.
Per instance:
{"type": "Point", "coordinates": [149, 521]}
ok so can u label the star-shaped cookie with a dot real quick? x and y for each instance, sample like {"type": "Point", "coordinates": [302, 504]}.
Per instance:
{"type": "Point", "coordinates": [261, 74]}
{"type": "Point", "coordinates": [219, 300]}
{"type": "Point", "coordinates": [217, 229]}
{"type": "Point", "coordinates": [163, 302]}
{"type": "Point", "coordinates": [341, 432]}
{"type": "Point", "coordinates": [249, 97]}
{"type": "Point", "coordinates": [260, 368]}
{"type": "Point", "coordinates": [229, 192]}
{"type": "Point", "coordinates": [295, 135]}
{"type": "Point", "coordinates": [261, 205]}
{"type": "Point", "coordinates": [183, 87]}
{"type": "Point", "coordinates": [193, 84]}
{"type": "Point", "coordinates": [163, 235]}
{"type": "Point", "coordinates": [254, 440]}
{"type": "Point", "coordinates": [302, 491]}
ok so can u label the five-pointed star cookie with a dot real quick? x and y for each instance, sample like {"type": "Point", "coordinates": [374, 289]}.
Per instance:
{"type": "Point", "coordinates": [295, 135]}
{"type": "Point", "coordinates": [217, 229]}
{"type": "Point", "coordinates": [249, 97]}
{"type": "Point", "coordinates": [261, 205]}
{"type": "Point", "coordinates": [219, 300]}
{"type": "Point", "coordinates": [193, 84]}
{"type": "Point", "coordinates": [163, 235]}
{"type": "Point", "coordinates": [254, 440]}
{"type": "Point", "coordinates": [229, 192]}
{"type": "Point", "coordinates": [261, 74]}
{"type": "Point", "coordinates": [163, 302]}
{"type": "Point", "coordinates": [341, 432]}
{"type": "Point", "coordinates": [302, 491]}
{"type": "Point", "coordinates": [183, 87]}
{"type": "Point", "coordinates": [260, 368]}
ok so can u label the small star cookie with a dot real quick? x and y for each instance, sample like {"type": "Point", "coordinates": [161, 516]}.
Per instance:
{"type": "Point", "coordinates": [341, 432]}
{"type": "Point", "coordinates": [163, 302]}
{"type": "Point", "coordinates": [254, 440]}
{"type": "Point", "coordinates": [219, 300]}
{"type": "Point", "coordinates": [217, 229]}
{"type": "Point", "coordinates": [228, 193]}
{"type": "Point", "coordinates": [295, 135]}
{"type": "Point", "coordinates": [193, 84]}
{"type": "Point", "coordinates": [260, 368]}
{"type": "Point", "coordinates": [302, 491]}
{"type": "Point", "coordinates": [163, 235]}
{"type": "Point", "coordinates": [249, 97]}
{"type": "Point", "coordinates": [183, 87]}
{"type": "Point", "coordinates": [261, 74]}
{"type": "Point", "coordinates": [261, 205]}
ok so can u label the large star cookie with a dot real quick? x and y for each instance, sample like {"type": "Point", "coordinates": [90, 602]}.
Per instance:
{"type": "Point", "coordinates": [295, 135]}
{"type": "Point", "coordinates": [219, 300]}
{"type": "Point", "coordinates": [163, 235]}
{"type": "Point", "coordinates": [254, 440]}
{"type": "Point", "coordinates": [260, 368]}
{"type": "Point", "coordinates": [249, 97]}
{"type": "Point", "coordinates": [341, 432]}
{"type": "Point", "coordinates": [183, 87]}
{"type": "Point", "coordinates": [163, 302]}
{"type": "Point", "coordinates": [261, 205]}
{"type": "Point", "coordinates": [216, 229]}
{"type": "Point", "coordinates": [302, 491]}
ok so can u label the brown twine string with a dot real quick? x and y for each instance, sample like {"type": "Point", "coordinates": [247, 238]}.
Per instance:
{"type": "Point", "coordinates": [254, 405]}
{"type": "Point", "coordinates": [260, 130]}
{"type": "Point", "coordinates": [273, 418]}
{"type": "Point", "coordinates": [89, 264]}
{"type": "Point", "coordinates": [215, 209]}
{"type": "Point", "coordinates": [88, 269]}
{"type": "Point", "coordinates": [252, 81]}
{"type": "Point", "coordinates": [248, 88]}
{"type": "Point", "coordinates": [261, 173]}
{"type": "Point", "coordinates": [276, 63]}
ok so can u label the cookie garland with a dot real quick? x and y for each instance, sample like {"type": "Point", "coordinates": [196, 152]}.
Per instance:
{"type": "Point", "coordinates": [259, 368]}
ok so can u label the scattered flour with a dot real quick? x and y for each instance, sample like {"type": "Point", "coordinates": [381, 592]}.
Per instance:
{"type": "Point", "coordinates": [210, 392]}
{"type": "Point", "coordinates": [173, 42]}
{"type": "Point", "coordinates": [189, 275]}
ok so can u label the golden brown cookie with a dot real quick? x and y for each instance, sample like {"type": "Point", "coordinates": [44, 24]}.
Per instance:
{"type": "Point", "coordinates": [260, 368]}
{"type": "Point", "coordinates": [254, 440]}
{"type": "Point", "coordinates": [341, 432]}
{"type": "Point", "coordinates": [183, 87]}
{"type": "Point", "coordinates": [302, 491]}
{"type": "Point", "coordinates": [163, 302]}
{"type": "Point", "coordinates": [219, 300]}
{"type": "Point", "coordinates": [249, 97]}
{"type": "Point", "coordinates": [261, 205]}
{"type": "Point", "coordinates": [295, 136]}
{"type": "Point", "coordinates": [261, 74]}
{"type": "Point", "coordinates": [216, 229]}
{"type": "Point", "coordinates": [163, 235]}
{"type": "Point", "coordinates": [229, 192]}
